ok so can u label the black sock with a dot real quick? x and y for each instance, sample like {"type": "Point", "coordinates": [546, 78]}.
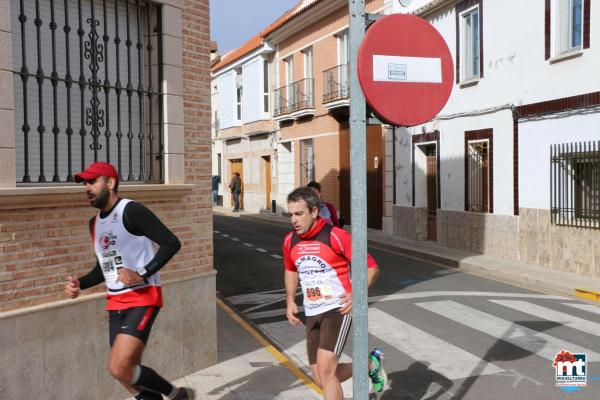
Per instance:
{"type": "Point", "coordinates": [150, 380]}
{"type": "Point", "coordinates": [148, 395]}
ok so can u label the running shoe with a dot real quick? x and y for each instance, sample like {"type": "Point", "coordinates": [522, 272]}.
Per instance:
{"type": "Point", "coordinates": [377, 373]}
{"type": "Point", "coordinates": [184, 393]}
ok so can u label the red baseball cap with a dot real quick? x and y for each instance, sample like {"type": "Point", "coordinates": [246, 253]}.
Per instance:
{"type": "Point", "coordinates": [95, 170]}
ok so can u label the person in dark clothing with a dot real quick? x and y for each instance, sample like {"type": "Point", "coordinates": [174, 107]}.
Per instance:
{"type": "Point", "coordinates": [123, 235]}
{"type": "Point", "coordinates": [215, 180]}
{"type": "Point", "coordinates": [236, 188]}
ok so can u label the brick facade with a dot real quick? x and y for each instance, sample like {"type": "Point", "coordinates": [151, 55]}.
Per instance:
{"type": "Point", "coordinates": [44, 237]}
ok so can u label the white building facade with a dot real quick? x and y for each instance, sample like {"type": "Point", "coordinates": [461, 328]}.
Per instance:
{"type": "Point", "coordinates": [511, 165]}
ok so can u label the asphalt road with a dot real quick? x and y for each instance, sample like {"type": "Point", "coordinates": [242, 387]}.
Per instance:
{"type": "Point", "coordinates": [445, 334]}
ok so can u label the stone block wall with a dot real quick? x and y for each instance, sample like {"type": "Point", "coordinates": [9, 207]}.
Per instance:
{"type": "Point", "coordinates": [496, 235]}
{"type": "Point", "coordinates": [562, 248]}
{"type": "Point", "coordinates": [410, 222]}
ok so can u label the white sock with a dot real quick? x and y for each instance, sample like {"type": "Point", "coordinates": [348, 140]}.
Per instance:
{"type": "Point", "coordinates": [137, 371]}
{"type": "Point", "coordinates": [174, 392]}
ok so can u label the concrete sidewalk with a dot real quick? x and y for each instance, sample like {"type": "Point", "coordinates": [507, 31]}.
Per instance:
{"type": "Point", "coordinates": [534, 277]}
{"type": "Point", "coordinates": [248, 367]}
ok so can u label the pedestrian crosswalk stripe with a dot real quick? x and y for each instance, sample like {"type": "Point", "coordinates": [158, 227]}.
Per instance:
{"type": "Point", "coordinates": [261, 250]}
{"type": "Point", "coordinates": [441, 356]}
{"type": "Point", "coordinates": [417, 295]}
{"type": "Point", "coordinates": [248, 244]}
{"type": "Point", "coordinates": [276, 256]}
{"type": "Point", "coordinates": [225, 235]}
{"type": "Point", "coordinates": [216, 231]}
{"type": "Point", "coordinates": [235, 239]}
{"type": "Point", "coordinates": [569, 320]}
{"type": "Point", "coordinates": [531, 340]}
{"type": "Point", "coordinates": [584, 307]}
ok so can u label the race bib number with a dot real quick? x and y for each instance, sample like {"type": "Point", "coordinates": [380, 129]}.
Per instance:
{"type": "Point", "coordinates": [317, 292]}
{"type": "Point", "coordinates": [111, 263]}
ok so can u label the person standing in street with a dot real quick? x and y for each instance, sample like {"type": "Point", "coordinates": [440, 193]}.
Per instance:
{"type": "Point", "coordinates": [318, 256]}
{"type": "Point", "coordinates": [215, 180]}
{"type": "Point", "coordinates": [236, 188]}
{"type": "Point", "coordinates": [123, 234]}
{"type": "Point", "coordinates": [327, 210]}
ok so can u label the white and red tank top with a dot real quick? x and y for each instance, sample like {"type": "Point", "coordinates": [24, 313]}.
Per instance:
{"type": "Point", "coordinates": [322, 259]}
{"type": "Point", "coordinates": [116, 248]}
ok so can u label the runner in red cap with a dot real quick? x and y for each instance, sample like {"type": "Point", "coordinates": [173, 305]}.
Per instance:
{"type": "Point", "coordinates": [124, 233]}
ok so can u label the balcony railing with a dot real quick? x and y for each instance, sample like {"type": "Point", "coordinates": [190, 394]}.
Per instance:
{"type": "Point", "coordinates": [294, 98]}
{"type": "Point", "coordinates": [336, 82]}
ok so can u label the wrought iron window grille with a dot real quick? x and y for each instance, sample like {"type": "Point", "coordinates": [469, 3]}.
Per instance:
{"type": "Point", "coordinates": [575, 184]}
{"type": "Point", "coordinates": [100, 81]}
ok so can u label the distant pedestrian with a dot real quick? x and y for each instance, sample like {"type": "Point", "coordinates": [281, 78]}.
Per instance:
{"type": "Point", "coordinates": [125, 235]}
{"type": "Point", "coordinates": [215, 180]}
{"type": "Point", "coordinates": [236, 188]}
{"type": "Point", "coordinates": [327, 210]}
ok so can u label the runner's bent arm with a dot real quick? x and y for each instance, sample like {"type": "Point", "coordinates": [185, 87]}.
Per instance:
{"type": "Point", "coordinates": [92, 278]}
{"type": "Point", "coordinates": [95, 276]}
{"type": "Point", "coordinates": [140, 221]}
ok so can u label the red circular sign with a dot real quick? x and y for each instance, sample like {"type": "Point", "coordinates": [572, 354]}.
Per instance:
{"type": "Point", "coordinates": [405, 69]}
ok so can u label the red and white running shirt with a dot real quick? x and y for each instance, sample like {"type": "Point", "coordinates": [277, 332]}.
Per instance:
{"type": "Point", "coordinates": [322, 258]}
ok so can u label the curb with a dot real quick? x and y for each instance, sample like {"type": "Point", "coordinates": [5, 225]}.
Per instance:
{"type": "Point", "coordinates": [277, 353]}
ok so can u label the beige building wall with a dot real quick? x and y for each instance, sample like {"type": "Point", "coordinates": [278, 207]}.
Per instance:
{"type": "Point", "coordinates": [58, 348]}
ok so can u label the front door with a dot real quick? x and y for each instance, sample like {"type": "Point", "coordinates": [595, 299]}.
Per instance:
{"type": "Point", "coordinates": [237, 165]}
{"type": "Point", "coordinates": [267, 182]}
{"type": "Point", "coordinates": [432, 192]}
{"type": "Point", "coordinates": [375, 158]}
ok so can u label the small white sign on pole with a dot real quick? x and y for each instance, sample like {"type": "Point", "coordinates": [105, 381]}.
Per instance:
{"type": "Point", "coordinates": [407, 69]}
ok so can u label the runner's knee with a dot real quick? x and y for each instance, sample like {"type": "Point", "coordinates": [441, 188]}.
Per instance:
{"type": "Point", "coordinates": [121, 371]}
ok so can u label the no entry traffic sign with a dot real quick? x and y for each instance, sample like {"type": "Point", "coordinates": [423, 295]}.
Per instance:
{"type": "Point", "coordinates": [405, 70]}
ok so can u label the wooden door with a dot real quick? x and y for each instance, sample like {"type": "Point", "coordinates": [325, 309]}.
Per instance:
{"type": "Point", "coordinates": [432, 193]}
{"type": "Point", "coordinates": [237, 165]}
{"type": "Point", "coordinates": [344, 176]}
{"type": "Point", "coordinates": [267, 182]}
{"type": "Point", "coordinates": [375, 164]}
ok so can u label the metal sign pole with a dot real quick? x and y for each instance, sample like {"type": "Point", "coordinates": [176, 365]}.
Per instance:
{"type": "Point", "coordinates": [358, 191]}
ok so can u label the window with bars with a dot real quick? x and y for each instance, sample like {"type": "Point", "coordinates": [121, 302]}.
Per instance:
{"type": "Point", "coordinates": [575, 184]}
{"type": "Point", "coordinates": [478, 176]}
{"type": "Point", "coordinates": [86, 87]}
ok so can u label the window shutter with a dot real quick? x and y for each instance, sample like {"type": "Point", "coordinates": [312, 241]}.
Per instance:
{"type": "Point", "coordinates": [586, 23]}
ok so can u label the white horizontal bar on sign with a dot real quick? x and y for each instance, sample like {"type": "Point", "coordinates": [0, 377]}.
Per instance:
{"type": "Point", "coordinates": [407, 69]}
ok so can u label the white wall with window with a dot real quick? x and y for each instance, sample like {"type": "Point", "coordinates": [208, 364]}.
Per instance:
{"type": "Point", "coordinates": [539, 135]}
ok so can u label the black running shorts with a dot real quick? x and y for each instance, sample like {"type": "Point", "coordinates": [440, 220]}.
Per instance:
{"type": "Point", "coordinates": [327, 331]}
{"type": "Point", "coordinates": [136, 321]}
